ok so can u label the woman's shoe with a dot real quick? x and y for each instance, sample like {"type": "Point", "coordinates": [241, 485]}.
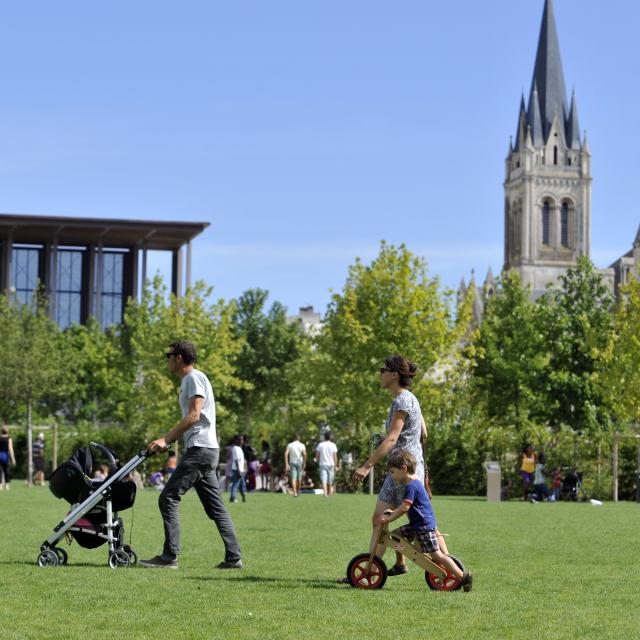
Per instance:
{"type": "Point", "coordinates": [398, 570]}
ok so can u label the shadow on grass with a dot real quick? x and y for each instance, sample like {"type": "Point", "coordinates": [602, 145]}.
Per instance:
{"type": "Point", "coordinates": [70, 565]}
{"type": "Point", "coordinates": [283, 583]}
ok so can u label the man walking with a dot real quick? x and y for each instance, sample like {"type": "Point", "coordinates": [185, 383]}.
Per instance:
{"type": "Point", "coordinates": [238, 471]}
{"type": "Point", "coordinates": [327, 459]}
{"type": "Point", "coordinates": [198, 465]}
{"type": "Point", "coordinates": [295, 460]}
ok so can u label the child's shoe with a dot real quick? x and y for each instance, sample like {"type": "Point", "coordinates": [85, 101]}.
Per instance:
{"type": "Point", "coordinates": [466, 582]}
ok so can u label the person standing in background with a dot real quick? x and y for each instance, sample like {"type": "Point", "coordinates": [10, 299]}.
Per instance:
{"type": "Point", "coordinates": [327, 459]}
{"type": "Point", "coordinates": [37, 452]}
{"type": "Point", "coordinates": [7, 458]}
{"type": "Point", "coordinates": [238, 470]}
{"type": "Point", "coordinates": [295, 460]}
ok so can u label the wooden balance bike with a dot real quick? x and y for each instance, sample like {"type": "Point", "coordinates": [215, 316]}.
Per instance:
{"type": "Point", "coordinates": [369, 571]}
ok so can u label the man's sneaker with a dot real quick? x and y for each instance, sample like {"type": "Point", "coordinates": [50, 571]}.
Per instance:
{"type": "Point", "coordinates": [466, 582]}
{"type": "Point", "coordinates": [158, 562]}
{"type": "Point", "coordinates": [234, 564]}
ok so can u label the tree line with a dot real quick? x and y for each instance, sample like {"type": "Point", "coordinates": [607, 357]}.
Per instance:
{"type": "Point", "coordinates": [560, 372]}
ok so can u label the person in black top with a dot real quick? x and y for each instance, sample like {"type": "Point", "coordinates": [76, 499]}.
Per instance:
{"type": "Point", "coordinates": [37, 452]}
{"type": "Point", "coordinates": [6, 458]}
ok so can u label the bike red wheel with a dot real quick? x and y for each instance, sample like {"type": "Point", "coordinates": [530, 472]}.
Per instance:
{"type": "Point", "coordinates": [448, 583]}
{"type": "Point", "coordinates": [358, 576]}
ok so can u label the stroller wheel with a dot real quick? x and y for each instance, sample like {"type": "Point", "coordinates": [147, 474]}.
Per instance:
{"type": "Point", "coordinates": [48, 558]}
{"type": "Point", "coordinates": [119, 558]}
{"type": "Point", "coordinates": [133, 556]}
{"type": "Point", "coordinates": [62, 555]}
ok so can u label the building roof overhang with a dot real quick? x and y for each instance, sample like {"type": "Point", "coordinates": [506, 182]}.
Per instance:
{"type": "Point", "coordinates": [111, 232]}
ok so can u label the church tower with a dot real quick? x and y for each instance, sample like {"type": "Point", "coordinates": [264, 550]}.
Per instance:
{"type": "Point", "coordinates": [548, 175]}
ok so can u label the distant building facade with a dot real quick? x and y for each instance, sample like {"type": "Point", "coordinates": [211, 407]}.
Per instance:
{"type": "Point", "coordinates": [88, 266]}
{"type": "Point", "coordinates": [310, 320]}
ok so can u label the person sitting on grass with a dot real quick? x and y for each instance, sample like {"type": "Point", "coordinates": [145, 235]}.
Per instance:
{"type": "Point", "coordinates": [422, 521]}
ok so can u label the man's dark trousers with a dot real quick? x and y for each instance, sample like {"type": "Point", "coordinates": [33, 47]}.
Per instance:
{"type": "Point", "coordinates": [197, 469]}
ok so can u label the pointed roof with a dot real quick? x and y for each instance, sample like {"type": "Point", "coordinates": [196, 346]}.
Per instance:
{"type": "Point", "coordinates": [490, 280]}
{"type": "Point", "coordinates": [522, 113]}
{"type": "Point", "coordinates": [548, 76]}
{"type": "Point", "coordinates": [573, 126]}
{"type": "Point", "coordinates": [636, 242]}
{"type": "Point", "coordinates": [462, 289]}
{"type": "Point", "coordinates": [538, 132]}
{"type": "Point", "coordinates": [585, 144]}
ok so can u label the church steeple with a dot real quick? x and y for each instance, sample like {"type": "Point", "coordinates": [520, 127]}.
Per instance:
{"type": "Point", "coordinates": [548, 77]}
{"type": "Point", "coordinates": [548, 175]}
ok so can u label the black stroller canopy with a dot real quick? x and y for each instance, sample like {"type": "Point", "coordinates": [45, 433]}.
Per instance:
{"type": "Point", "coordinates": [72, 479]}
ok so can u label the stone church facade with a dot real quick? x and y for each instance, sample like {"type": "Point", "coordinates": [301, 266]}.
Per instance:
{"type": "Point", "coordinates": [547, 187]}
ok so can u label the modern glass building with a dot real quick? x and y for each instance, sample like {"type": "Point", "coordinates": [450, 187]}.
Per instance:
{"type": "Point", "coordinates": [88, 266]}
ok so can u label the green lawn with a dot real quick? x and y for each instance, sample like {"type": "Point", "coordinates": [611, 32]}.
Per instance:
{"type": "Point", "coordinates": [541, 571]}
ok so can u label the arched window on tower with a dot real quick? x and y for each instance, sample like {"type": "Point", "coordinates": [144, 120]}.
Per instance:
{"type": "Point", "coordinates": [555, 155]}
{"type": "Point", "coordinates": [564, 225]}
{"type": "Point", "coordinates": [546, 223]}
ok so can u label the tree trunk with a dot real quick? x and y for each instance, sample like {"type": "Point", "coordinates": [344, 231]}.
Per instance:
{"type": "Point", "coordinates": [29, 446]}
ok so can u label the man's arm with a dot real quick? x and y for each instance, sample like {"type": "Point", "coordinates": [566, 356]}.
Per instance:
{"type": "Point", "coordinates": [195, 407]}
{"type": "Point", "coordinates": [286, 459]}
{"type": "Point", "coordinates": [304, 458]}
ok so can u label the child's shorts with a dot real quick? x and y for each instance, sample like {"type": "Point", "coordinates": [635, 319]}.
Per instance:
{"type": "Point", "coordinates": [428, 538]}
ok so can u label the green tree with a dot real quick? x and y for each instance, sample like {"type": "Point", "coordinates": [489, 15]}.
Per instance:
{"type": "Point", "coordinates": [511, 358]}
{"type": "Point", "coordinates": [94, 385]}
{"type": "Point", "coordinates": [268, 348]}
{"type": "Point", "coordinates": [620, 376]}
{"type": "Point", "coordinates": [577, 322]}
{"type": "Point", "coordinates": [31, 372]}
{"type": "Point", "coordinates": [390, 306]}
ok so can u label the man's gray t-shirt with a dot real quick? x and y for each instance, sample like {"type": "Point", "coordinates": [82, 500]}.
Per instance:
{"type": "Point", "coordinates": [203, 432]}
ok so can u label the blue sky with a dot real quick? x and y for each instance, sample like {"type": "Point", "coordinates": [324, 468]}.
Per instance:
{"type": "Point", "coordinates": [305, 132]}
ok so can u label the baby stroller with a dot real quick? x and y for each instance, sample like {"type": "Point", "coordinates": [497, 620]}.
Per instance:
{"type": "Point", "coordinates": [572, 485]}
{"type": "Point", "coordinates": [93, 519]}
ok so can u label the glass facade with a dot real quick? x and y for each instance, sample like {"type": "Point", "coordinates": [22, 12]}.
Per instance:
{"type": "Point", "coordinates": [112, 288]}
{"type": "Point", "coordinates": [25, 272]}
{"type": "Point", "coordinates": [68, 287]}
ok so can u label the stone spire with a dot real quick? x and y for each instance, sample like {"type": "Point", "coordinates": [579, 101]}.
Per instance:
{"type": "Point", "coordinates": [535, 118]}
{"type": "Point", "coordinates": [548, 77]}
{"type": "Point", "coordinates": [489, 286]}
{"type": "Point", "coordinates": [573, 127]}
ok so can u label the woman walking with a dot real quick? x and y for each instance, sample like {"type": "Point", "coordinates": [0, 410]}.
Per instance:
{"type": "Point", "coordinates": [404, 427]}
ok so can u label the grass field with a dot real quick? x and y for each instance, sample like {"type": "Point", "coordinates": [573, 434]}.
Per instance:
{"type": "Point", "coordinates": [542, 571]}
